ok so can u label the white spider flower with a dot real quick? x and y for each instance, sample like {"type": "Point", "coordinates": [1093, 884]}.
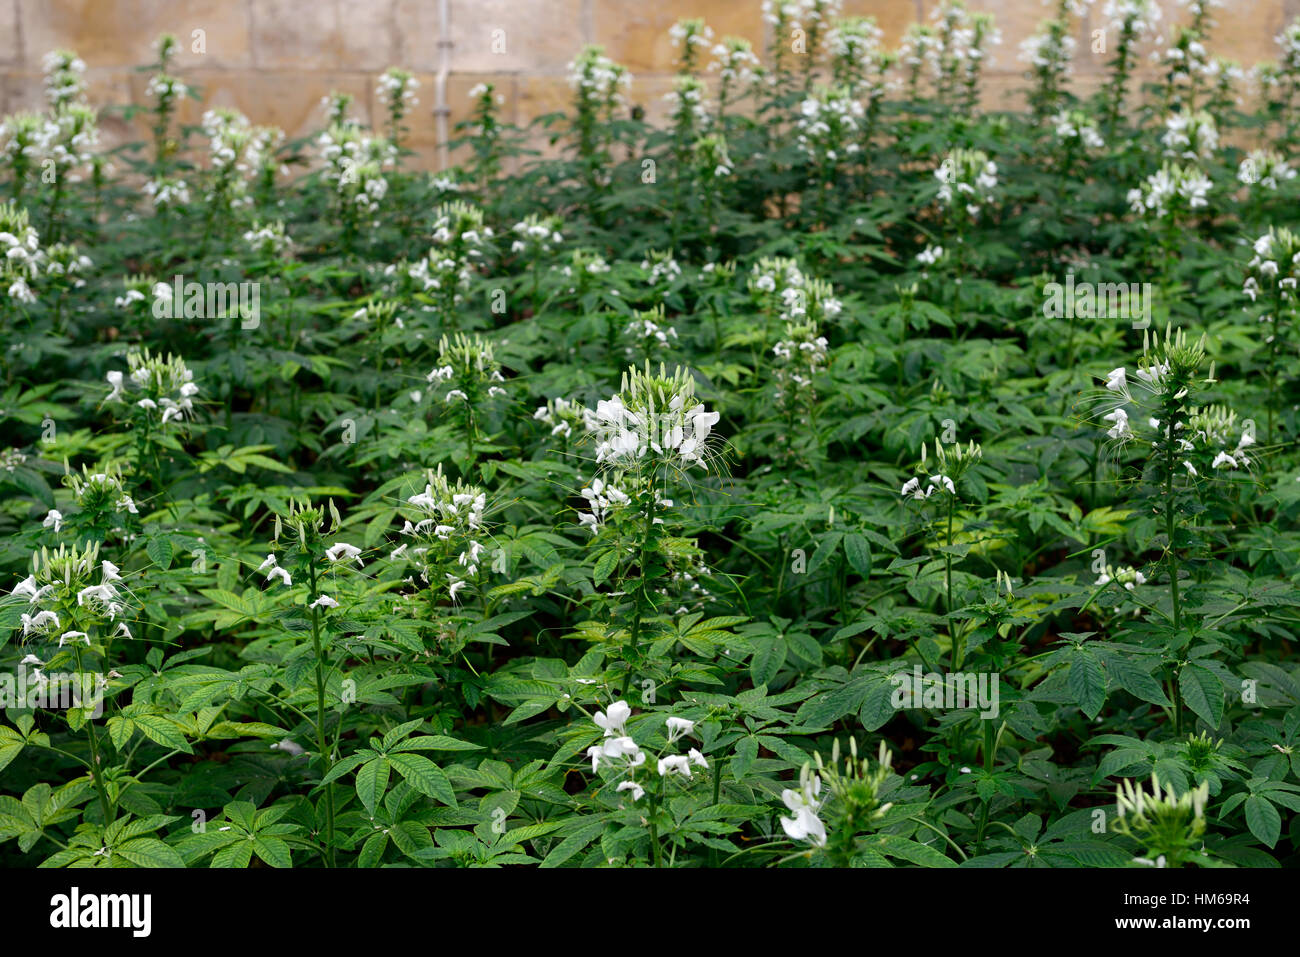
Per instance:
{"type": "Point", "coordinates": [678, 727]}
{"type": "Point", "coordinates": [324, 601]}
{"type": "Point", "coordinates": [804, 803]}
{"type": "Point", "coordinates": [637, 790]}
{"type": "Point", "coordinates": [343, 552]}
{"type": "Point", "coordinates": [613, 750]}
{"type": "Point", "coordinates": [613, 719]}
{"type": "Point", "coordinates": [675, 764]}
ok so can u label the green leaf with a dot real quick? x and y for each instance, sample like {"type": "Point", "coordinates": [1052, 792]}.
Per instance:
{"type": "Point", "coordinates": [11, 743]}
{"type": "Point", "coordinates": [604, 565]}
{"type": "Point", "coordinates": [585, 833]}
{"type": "Point", "coordinates": [858, 551]}
{"type": "Point", "coordinates": [162, 731]}
{"type": "Point", "coordinates": [1263, 820]}
{"type": "Point", "coordinates": [769, 656]}
{"type": "Point", "coordinates": [149, 852]}
{"type": "Point", "coordinates": [160, 550]}
{"type": "Point", "coordinates": [1203, 692]}
{"type": "Point", "coordinates": [372, 782]}
{"type": "Point", "coordinates": [423, 775]}
{"type": "Point", "coordinates": [1087, 681]}
{"type": "Point", "coordinates": [273, 851]}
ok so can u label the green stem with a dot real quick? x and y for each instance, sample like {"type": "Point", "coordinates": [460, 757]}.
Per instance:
{"type": "Point", "coordinates": [643, 583]}
{"type": "Point", "coordinates": [322, 739]}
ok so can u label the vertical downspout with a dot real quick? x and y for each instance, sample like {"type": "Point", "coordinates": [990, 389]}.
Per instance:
{"type": "Point", "coordinates": [441, 111]}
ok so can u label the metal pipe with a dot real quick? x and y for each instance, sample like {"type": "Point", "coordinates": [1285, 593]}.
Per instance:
{"type": "Point", "coordinates": [441, 111]}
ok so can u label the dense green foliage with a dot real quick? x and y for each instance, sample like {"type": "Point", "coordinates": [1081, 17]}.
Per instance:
{"type": "Point", "coordinates": [599, 510]}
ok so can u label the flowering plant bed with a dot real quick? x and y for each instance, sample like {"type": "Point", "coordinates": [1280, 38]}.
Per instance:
{"type": "Point", "coordinates": [835, 474]}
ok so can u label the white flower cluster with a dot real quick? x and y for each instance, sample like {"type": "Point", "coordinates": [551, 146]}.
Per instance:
{"type": "Point", "coordinates": [1076, 126]}
{"type": "Point", "coordinates": [467, 364]}
{"type": "Point", "coordinates": [263, 144]}
{"type": "Point", "coordinates": [805, 804]}
{"type": "Point", "coordinates": [98, 492]}
{"type": "Point", "coordinates": [65, 77]}
{"type": "Point", "coordinates": [564, 416]}
{"type": "Point", "coordinates": [1212, 430]}
{"type": "Point", "coordinates": [597, 77]}
{"type": "Point", "coordinates": [11, 459]}
{"type": "Point", "coordinates": [1050, 51]}
{"type": "Point", "coordinates": [827, 125]}
{"type": "Point", "coordinates": [62, 259]}
{"type": "Point", "coordinates": [397, 86]}
{"type": "Point", "coordinates": [166, 89]}
{"type": "Point", "coordinates": [1275, 267]}
{"type": "Point", "coordinates": [856, 39]}
{"type": "Point", "coordinates": [448, 522]}
{"type": "Point", "coordinates": [930, 255]}
{"type": "Point", "coordinates": [647, 330]}
{"type": "Point", "coordinates": [229, 135]}
{"type": "Point", "coordinates": [1266, 168]}
{"type": "Point", "coordinates": [967, 180]}
{"type": "Point", "coordinates": [1190, 135]}
{"type": "Point", "coordinates": [167, 192]}
{"type": "Point", "coordinates": [653, 419]}
{"type": "Point", "coordinates": [355, 163]}
{"type": "Point", "coordinates": [799, 356]}
{"type": "Point", "coordinates": [165, 387]}
{"type": "Point", "coordinates": [783, 13]}
{"type": "Point", "coordinates": [660, 267]}
{"type": "Point", "coordinates": [1171, 190]}
{"type": "Point", "coordinates": [1187, 57]}
{"type": "Point", "coordinates": [686, 101]}
{"type": "Point", "coordinates": [21, 255]}
{"type": "Point", "coordinates": [1153, 377]}
{"type": "Point", "coordinates": [63, 603]}
{"type": "Point", "coordinates": [735, 64]}
{"type": "Point", "coordinates": [620, 752]}
{"type": "Point", "coordinates": [603, 498]}
{"type": "Point", "coordinates": [782, 287]}
{"type": "Point", "coordinates": [1127, 576]}
{"type": "Point", "coordinates": [1288, 42]}
{"type": "Point", "coordinates": [959, 39]}
{"type": "Point", "coordinates": [1139, 16]}
{"type": "Point", "coordinates": [935, 483]}
{"type": "Point", "coordinates": [536, 234]}
{"type": "Point", "coordinates": [68, 138]}
{"type": "Point", "coordinates": [690, 33]}
{"type": "Point", "coordinates": [269, 239]}
{"type": "Point", "coordinates": [460, 244]}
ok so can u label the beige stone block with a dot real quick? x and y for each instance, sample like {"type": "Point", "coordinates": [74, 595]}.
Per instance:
{"type": "Point", "coordinates": [369, 34]}
{"type": "Point", "coordinates": [417, 29]}
{"type": "Point", "coordinates": [11, 51]}
{"type": "Point", "coordinates": [298, 35]}
{"type": "Point", "coordinates": [502, 36]}
{"type": "Point", "coordinates": [117, 33]}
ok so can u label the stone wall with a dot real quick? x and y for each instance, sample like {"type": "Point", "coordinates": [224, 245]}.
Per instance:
{"type": "Point", "coordinates": [275, 59]}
